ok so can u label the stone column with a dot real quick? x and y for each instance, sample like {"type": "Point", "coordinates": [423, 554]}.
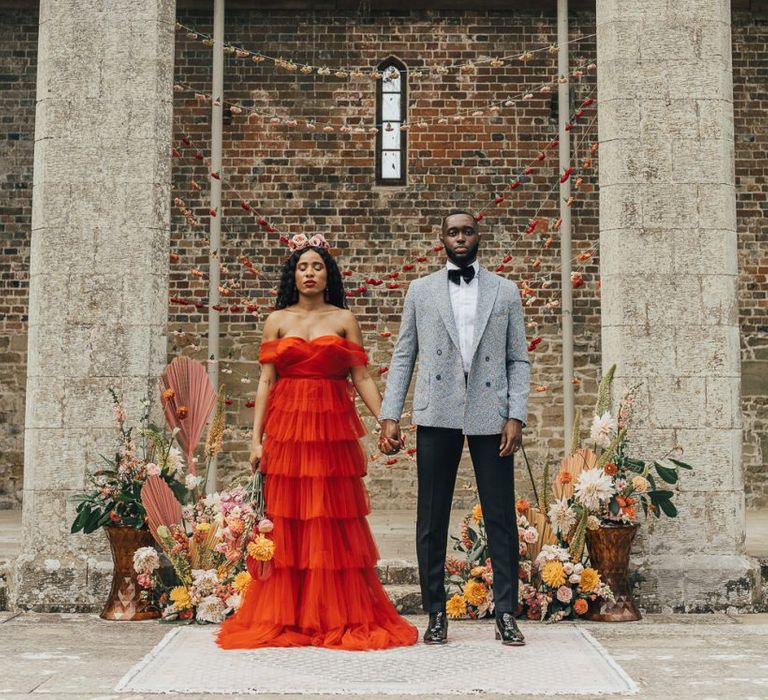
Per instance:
{"type": "Point", "coordinates": [669, 282]}
{"type": "Point", "coordinates": [99, 270]}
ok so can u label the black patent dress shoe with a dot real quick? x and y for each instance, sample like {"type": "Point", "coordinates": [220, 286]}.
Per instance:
{"type": "Point", "coordinates": [508, 632]}
{"type": "Point", "coordinates": [437, 629]}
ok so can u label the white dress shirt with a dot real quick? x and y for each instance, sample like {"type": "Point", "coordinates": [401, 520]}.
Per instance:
{"type": "Point", "coordinates": [464, 304]}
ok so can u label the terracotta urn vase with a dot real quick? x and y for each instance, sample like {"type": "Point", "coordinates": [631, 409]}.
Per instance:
{"type": "Point", "coordinates": [609, 549]}
{"type": "Point", "coordinates": [124, 602]}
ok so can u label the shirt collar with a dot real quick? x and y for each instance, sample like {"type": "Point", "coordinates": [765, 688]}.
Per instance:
{"type": "Point", "coordinates": [450, 265]}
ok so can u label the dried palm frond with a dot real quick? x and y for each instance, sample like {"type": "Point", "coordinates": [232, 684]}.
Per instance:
{"type": "Point", "coordinates": [162, 506]}
{"type": "Point", "coordinates": [188, 398]}
{"type": "Point", "coordinates": [541, 522]}
{"type": "Point", "coordinates": [572, 465]}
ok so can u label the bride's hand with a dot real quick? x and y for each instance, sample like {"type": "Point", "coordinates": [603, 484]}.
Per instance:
{"type": "Point", "coordinates": [256, 455]}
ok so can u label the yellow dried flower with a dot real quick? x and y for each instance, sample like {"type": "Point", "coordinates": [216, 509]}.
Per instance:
{"type": "Point", "coordinates": [456, 607]}
{"type": "Point", "coordinates": [261, 549]}
{"type": "Point", "coordinates": [241, 581]}
{"type": "Point", "coordinates": [202, 527]}
{"type": "Point", "coordinates": [590, 580]}
{"type": "Point", "coordinates": [475, 592]}
{"type": "Point", "coordinates": [477, 513]}
{"type": "Point", "coordinates": [553, 574]}
{"type": "Point", "coordinates": [180, 598]}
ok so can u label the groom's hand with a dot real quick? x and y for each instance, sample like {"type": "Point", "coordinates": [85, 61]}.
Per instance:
{"type": "Point", "coordinates": [511, 437]}
{"type": "Point", "coordinates": [391, 440]}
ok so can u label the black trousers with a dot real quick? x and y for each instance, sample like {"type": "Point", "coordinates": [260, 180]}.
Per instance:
{"type": "Point", "coordinates": [438, 453]}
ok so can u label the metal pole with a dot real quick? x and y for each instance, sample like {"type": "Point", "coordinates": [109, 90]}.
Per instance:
{"type": "Point", "coordinates": [214, 234]}
{"type": "Point", "coordinates": [564, 107]}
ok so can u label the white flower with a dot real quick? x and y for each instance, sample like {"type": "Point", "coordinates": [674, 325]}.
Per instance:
{"type": "Point", "coordinates": [234, 601]}
{"type": "Point", "coordinates": [145, 560]}
{"type": "Point", "coordinates": [212, 500]}
{"type": "Point", "coordinates": [192, 482]}
{"type": "Point", "coordinates": [174, 462]}
{"type": "Point", "coordinates": [153, 469]}
{"type": "Point", "coordinates": [211, 609]}
{"type": "Point", "coordinates": [593, 488]}
{"type": "Point", "coordinates": [602, 426]}
{"type": "Point", "coordinates": [562, 517]}
{"type": "Point", "coordinates": [568, 568]}
{"type": "Point", "coordinates": [204, 581]}
{"type": "Point", "coordinates": [530, 535]}
{"type": "Point", "coordinates": [578, 569]}
{"type": "Point", "coordinates": [551, 552]}
{"type": "Point", "coordinates": [574, 578]}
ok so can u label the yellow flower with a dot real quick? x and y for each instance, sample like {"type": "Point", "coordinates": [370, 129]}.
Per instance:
{"type": "Point", "coordinates": [477, 513]}
{"type": "Point", "coordinates": [553, 574]}
{"type": "Point", "coordinates": [241, 581]}
{"type": "Point", "coordinates": [475, 592]}
{"type": "Point", "coordinates": [202, 527]}
{"type": "Point", "coordinates": [262, 548]}
{"type": "Point", "coordinates": [180, 598]}
{"type": "Point", "coordinates": [456, 607]}
{"type": "Point", "coordinates": [590, 580]}
{"type": "Point", "coordinates": [640, 483]}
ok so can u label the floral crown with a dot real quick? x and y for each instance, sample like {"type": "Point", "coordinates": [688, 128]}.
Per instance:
{"type": "Point", "coordinates": [300, 241]}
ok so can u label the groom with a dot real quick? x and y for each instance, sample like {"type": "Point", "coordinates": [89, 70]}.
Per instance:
{"type": "Point", "coordinates": [465, 325]}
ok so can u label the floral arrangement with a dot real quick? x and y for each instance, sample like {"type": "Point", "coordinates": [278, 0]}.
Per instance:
{"type": "Point", "coordinates": [600, 485]}
{"type": "Point", "coordinates": [468, 580]}
{"type": "Point", "coordinates": [563, 589]}
{"type": "Point", "coordinates": [114, 496]}
{"type": "Point", "coordinates": [221, 545]}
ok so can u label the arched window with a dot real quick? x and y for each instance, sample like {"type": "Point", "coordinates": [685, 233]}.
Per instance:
{"type": "Point", "coordinates": [391, 112]}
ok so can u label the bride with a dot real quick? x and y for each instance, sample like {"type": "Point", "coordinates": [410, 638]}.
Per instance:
{"type": "Point", "coordinates": [323, 590]}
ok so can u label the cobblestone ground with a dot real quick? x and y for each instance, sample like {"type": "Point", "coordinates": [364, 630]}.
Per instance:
{"type": "Point", "coordinates": [80, 656]}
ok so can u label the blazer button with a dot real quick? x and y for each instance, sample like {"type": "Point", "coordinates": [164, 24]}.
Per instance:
{"type": "Point", "coordinates": [487, 359]}
{"type": "Point", "coordinates": [439, 352]}
{"type": "Point", "coordinates": [487, 384]}
{"type": "Point", "coordinates": [437, 377]}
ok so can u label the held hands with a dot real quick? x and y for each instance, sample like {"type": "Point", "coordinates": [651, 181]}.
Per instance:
{"type": "Point", "coordinates": [391, 440]}
{"type": "Point", "coordinates": [511, 437]}
{"type": "Point", "coordinates": [255, 457]}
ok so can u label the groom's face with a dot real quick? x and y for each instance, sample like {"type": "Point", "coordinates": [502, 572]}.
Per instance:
{"type": "Point", "coordinates": [460, 238]}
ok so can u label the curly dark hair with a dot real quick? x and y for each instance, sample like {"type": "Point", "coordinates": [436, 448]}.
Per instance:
{"type": "Point", "coordinates": [288, 294]}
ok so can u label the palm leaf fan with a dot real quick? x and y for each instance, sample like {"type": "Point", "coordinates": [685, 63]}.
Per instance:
{"type": "Point", "coordinates": [541, 522]}
{"type": "Point", "coordinates": [570, 468]}
{"type": "Point", "coordinates": [162, 506]}
{"type": "Point", "coordinates": [189, 402]}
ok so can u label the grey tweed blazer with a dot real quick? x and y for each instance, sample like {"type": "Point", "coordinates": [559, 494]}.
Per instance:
{"type": "Point", "coordinates": [499, 376]}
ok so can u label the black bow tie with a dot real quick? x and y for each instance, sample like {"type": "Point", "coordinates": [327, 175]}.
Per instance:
{"type": "Point", "coordinates": [468, 273]}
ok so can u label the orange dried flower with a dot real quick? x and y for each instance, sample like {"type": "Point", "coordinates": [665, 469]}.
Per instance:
{"type": "Point", "coordinates": [580, 606]}
{"type": "Point", "coordinates": [169, 394]}
{"type": "Point", "coordinates": [565, 477]}
{"type": "Point", "coordinates": [182, 412]}
{"type": "Point", "coordinates": [610, 469]}
{"type": "Point", "coordinates": [522, 505]}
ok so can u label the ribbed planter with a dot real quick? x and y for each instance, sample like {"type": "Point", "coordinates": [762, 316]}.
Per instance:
{"type": "Point", "coordinates": [124, 602]}
{"type": "Point", "coordinates": [609, 549]}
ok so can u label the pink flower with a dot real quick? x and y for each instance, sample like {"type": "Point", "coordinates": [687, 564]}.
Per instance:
{"type": "Point", "coordinates": [265, 525]}
{"type": "Point", "coordinates": [565, 594]}
{"type": "Point", "coordinates": [153, 469]}
{"type": "Point", "coordinates": [144, 580]}
{"type": "Point", "coordinates": [318, 241]}
{"type": "Point", "coordinates": [298, 242]}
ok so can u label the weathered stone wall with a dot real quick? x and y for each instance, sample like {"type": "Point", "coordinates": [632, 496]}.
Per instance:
{"type": "Point", "coordinates": [299, 180]}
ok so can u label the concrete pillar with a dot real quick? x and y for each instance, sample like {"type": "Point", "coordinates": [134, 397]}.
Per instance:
{"type": "Point", "coordinates": [669, 281]}
{"type": "Point", "coordinates": [99, 269]}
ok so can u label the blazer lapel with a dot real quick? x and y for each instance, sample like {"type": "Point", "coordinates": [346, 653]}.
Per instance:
{"type": "Point", "coordinates": [488, 288]}
{"type": "Point", "coordinates": [442, 298]}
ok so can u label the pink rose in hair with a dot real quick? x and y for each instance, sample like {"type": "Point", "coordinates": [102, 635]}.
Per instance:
{"type": "Point", "coordinates": [298, 242]}
{"type": "Point", "coordinates": [318, 241]}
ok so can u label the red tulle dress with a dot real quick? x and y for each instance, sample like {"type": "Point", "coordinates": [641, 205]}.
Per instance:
{"type": "Point", "coordinates": [323, 590]}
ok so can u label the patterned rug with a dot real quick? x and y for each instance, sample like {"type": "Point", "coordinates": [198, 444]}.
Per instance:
{"type": "Point", "coordinates": [561, 659]}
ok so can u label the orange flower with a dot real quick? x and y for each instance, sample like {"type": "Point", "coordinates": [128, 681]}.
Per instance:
{"type": "Point", "coordinates": [522, 505]}
{"type": "Point", "coordinates": [182, 412]}
{"type": "Point", "coordinates": [580, 606]}
{"type": "Point", "coordinates": [610, 469]}
{"type": "Point", "coordinates": [565, 477]}
{"type": "Point", "coordinates": [169, 394]}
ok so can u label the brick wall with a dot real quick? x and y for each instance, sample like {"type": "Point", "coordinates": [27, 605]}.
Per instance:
{"type": "Point", "coordinates": [325, 182]}
{"type": "Point", "coordinates": [18, 58]}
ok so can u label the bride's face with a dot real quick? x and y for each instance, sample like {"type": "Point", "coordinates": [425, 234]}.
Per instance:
{"type": "Point", "coordinates": [311, 275]}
